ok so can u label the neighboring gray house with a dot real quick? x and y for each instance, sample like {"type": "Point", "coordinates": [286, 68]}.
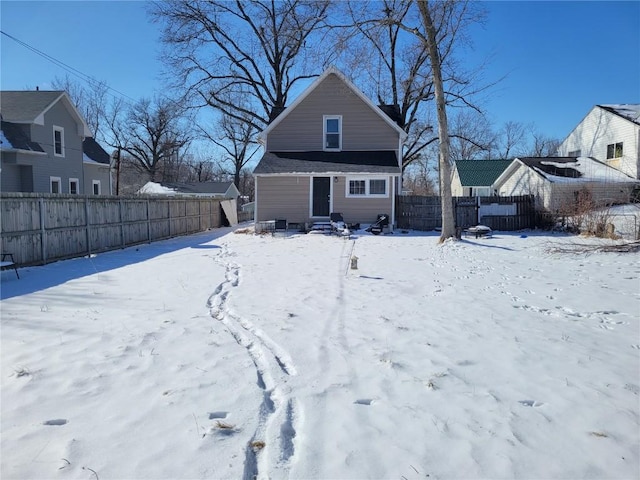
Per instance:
{"type": "Point", "coordinates": [42, 146]}
{"type": "Point", "coordinates": [609, 133]}
{"type": "Point", "coordinates": [474, 178]}
{"type": "Point", "coordinates": [331, 150]}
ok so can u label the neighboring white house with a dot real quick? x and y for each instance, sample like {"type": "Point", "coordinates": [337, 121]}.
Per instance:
{"type": "Point", "coordinates": [557, 183]}
{"type": "Point", "coordinates": [199, 189]}
{"type": "Point", "coordinates": [474, 178]}
{"type": "Point", "coordinates": [609, 133]}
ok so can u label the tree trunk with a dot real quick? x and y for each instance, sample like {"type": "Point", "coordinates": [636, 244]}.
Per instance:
{"type": "Point", "coordinates": [448, 220]}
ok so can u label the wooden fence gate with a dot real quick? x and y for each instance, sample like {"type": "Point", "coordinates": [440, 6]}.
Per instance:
{"type": "Point", "coordinates": [500, 213]}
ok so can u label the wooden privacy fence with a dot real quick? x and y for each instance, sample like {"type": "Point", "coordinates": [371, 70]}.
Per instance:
{"type": "Point", "coordinates": [499, 213]}
{"type": "Point", "coordinates": [41, 228]}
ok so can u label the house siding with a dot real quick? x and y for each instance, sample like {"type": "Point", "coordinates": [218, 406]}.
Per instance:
{"type": "Point", "coordinates": [302, 128]}
{"type": "Point", "coordinates": [524, 181]}
{"type": "Point", "coordinates": [96, 172]}
{"type": "Point", "coordinates": [361, 210]}
{"type": "Point", "coordinates": [599, 129]}
{"type": "Point", "coordinates": [283, 197]}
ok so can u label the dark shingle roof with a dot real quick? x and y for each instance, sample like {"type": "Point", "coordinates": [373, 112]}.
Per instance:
{"type": "Point", "coordinates": [94, 151]}
{"type": "Point", "coordinates": [480, 173]}
{"type": "Point", "coordinates": [551, 165]}
{"type": "Point", "coordinates": [18, 138]}
{"type": "Point", "coordinates": [25, 106]}
{"type": "Point", "coordinates": [329, 162]}
{"type": "Point", "coordinates": [630, 111]}
{"type": "Point", "coordinates": [199, 187]}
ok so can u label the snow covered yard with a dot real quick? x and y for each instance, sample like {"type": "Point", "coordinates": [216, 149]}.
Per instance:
{"type": "Point", "coordinates": [226, 355]}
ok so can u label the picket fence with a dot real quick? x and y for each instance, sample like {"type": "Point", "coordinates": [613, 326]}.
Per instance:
{"type": "Point", "coordinates": [41, 228]}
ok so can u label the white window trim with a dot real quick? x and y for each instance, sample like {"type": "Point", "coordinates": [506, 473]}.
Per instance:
{"type": "Point", "coordinates": [55, 179]}
{"type": "Point", "coordinates": [61, 130]}
{"type": "Point", "coordinates": [367, 181]}
{"type": "Point", "coordinates": [77, 182]}
{"type": "Point", "coordinates": [93, 184]}
{"type": "Point", "coordinates": [324, 132]}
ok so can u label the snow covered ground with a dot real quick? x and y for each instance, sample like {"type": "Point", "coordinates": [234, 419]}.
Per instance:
{"type": "Point", "coordinates": [225, 355]}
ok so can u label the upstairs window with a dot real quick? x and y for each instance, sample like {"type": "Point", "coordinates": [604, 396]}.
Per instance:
{"type": "Point", "coordinates": [614, 150]}
{"type": "Point", "coordinates": [575, 153]}
{"type": "Point", "coordinates": [332, 132]}
{"type": "Point", "coordinates": [58, 141]}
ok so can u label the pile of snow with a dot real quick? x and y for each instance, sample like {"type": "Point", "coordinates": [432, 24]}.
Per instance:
{"type": "Point", "coordinates": [152, 188]}
{"type": "Point", "coordinates": [5, 144]}
{"type": "Point", "coordinates": [223, 355]}
{"type": "Point", "coordinates": [590, 170]}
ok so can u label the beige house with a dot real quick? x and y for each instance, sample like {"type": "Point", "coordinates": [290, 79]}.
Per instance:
{"type": "Point", "coordinates": [332, 150]}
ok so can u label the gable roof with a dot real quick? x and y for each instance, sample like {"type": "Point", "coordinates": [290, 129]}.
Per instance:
{"type": "Point", "coordinates": [353, 162]}
{"type": "Point", "coordinates": [29, 106]}
{"type": "Point", "coordinates": [219, 188]}
{"type": "Point", "coordinates": [628, 111]}
{"type": "Point", "coordinates": [480, 173]}
{"type": "Point", "coordinates": [12, 137]}
{"type": "Point", "coordinates": [94, 151]}
{"type": "Point", "coordinates": [568, 170]}
{"type": "Point", "coordinates": [314, 85]}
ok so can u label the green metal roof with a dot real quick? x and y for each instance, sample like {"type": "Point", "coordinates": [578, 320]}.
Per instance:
{"type": "Point", "coordinates": [480, 173]}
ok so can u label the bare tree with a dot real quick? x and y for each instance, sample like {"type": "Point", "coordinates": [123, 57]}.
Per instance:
{"type": "Point", "coordinates": [90, 100]}
{"type": "Point", "coordinates": [238, 141]}
{"type": "Point", "coordinates": [511, 139]}
{"type": "Point", "coordinates": [152, 135]}
{"type": "Point", "coordinates": [471, 135]}
{"type": "Point", "coordinates": [219, 49]}
{"type": "Point", "coordinates": [543, 146]}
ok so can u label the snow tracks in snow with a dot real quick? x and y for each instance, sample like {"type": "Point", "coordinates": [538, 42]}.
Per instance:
{"type": "Point", "coordinates": [272, 445]}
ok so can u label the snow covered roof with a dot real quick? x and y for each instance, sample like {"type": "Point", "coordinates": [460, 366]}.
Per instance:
{"type": "Point", "coordinates": [630, 111]}
{"type": "Point", "coordinates": [153, 188]}
{"type": "Point", "coordinates": [575, 169]}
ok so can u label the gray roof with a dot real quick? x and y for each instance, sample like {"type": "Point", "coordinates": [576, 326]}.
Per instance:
{"type": "Point", "coordinates": [199, 187]}
{"type": "Point", "coordinates": [18, 138]}
{"type": "Point", "coordinates": [329, 162]}
{"type": "Point", "coordinates": [94, 151]}
{"type": "Point", "coordinates": [25, 106]}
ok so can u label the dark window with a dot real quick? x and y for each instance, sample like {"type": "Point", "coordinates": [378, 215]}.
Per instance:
{"type": "Point", "coordinates": [614, 150]}
{"type": "Point", "coordinates": [332, 133]}
{"type": "Point", "coordinates": [357, 187]}
{"type": "Point", "coordinates": [377, 187]}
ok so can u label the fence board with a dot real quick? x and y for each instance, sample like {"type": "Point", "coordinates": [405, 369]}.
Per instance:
{"type": "Point", "coordinates": [40, 228]}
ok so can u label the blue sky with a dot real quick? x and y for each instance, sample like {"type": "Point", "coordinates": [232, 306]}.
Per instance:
{"type": "Point", "coordinates": [559, 58]}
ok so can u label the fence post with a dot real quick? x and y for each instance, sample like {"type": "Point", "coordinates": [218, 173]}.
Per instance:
{"type": "Point", "coordinates": [43, 232]}
{"type": "Point", "coordinates": [121, 223]}
{"type": "Point", "coordinates": [148, 223]}
{"type": "Point", "coordinates": [86, 219]}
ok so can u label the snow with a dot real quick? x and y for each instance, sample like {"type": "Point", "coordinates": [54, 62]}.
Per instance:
{"type": "Point", "coordinates": [229, 355]}
{"type": "Point", "coordinates": [591, 171]}
{"type": "Point", "coordinates": [5, 144]}
{"type": "Point", "coordinates": [630, 111]}
{"type": "Point", "coordinates": [152, 188]}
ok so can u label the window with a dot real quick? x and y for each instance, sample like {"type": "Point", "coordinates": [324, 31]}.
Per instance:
{"type": "Point", "coordinates": [54, 184]}
{"type": "Point", "coordinates": [58, 141]}
{"type": "Point", "coordinates": [373, 187]}
{"type": "Point", "coordinates": [96, 187]}
{"type": "Point", "coordinates": [614, 150]}
{"type": "Point", "coordinates": [332, 132]}
{"type": "Point", "coordinates": [73, 186]}
{"type": "Point", "coordinates": [575, 153]}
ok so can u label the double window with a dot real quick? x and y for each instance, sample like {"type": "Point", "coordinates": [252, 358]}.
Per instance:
{"type": "Point", "coordinates": [614, 150]}
{"type": "Point", "coordinates": [367, 187]}
{"type": "Point", "coordinates": [332, 132]}
{"type": "Point", "coordinates": [58, 141]}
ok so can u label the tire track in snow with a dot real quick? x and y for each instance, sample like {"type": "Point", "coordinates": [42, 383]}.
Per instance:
{"type": "Point", "coordinates": [272, 445]}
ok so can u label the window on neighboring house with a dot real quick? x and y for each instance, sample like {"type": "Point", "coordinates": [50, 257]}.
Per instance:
{"type": "Point", "coordinates": [96, 187]}
{"type": "Point", "coordinates": [332, 132]}
{"type": "Point", "coordinates": [54, 184]}
{"type": "Point", "coordinates": [73, 186]}
{"type": "Point", "coordinates": [575, 153]}
{"type": "Point", "coordinates": [614, 150]}
{"type": "Point", "coordinates": [58, 141]}
{"type": "Point", "coordinates": [374, 187]}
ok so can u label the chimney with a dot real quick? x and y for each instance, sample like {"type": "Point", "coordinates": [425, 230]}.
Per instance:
{"type": "Point", "coordinates": [37, 88]}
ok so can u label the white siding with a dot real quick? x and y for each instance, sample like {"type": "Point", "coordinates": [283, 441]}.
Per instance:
{"type": "Point", "coordinates": [599, 129]}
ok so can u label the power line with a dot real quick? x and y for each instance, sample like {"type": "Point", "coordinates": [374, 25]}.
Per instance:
{"type": "Point", "coordinates": [83, 76]}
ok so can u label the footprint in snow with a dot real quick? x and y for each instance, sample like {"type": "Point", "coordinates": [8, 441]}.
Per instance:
{"type": "Point", "coordinates": [56, 422]}
{"type": "Point", "coordinates": [530, 403]}
{"type": "Point", "coordinates": [214, 415]}
{"type": "Point", "coordinates": [364, 401]}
